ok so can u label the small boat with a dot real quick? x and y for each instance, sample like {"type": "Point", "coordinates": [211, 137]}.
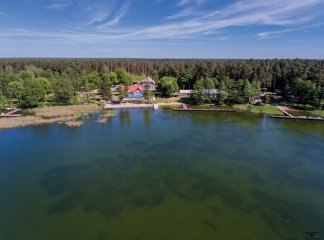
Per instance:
{"type": "Point", "coordinates": [156, 107]}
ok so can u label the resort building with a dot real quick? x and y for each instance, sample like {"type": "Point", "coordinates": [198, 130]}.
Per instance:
{"type": "Point", "coordinates": [210, 92]}
{"type": "Point", "coordinates": [150, 83]}
{"type": "Point", "coordinates": [135, 93]}
{"type": "Point", "coordinates": [186, 93]}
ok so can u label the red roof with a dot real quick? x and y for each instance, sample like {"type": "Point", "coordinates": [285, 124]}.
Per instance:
{"type": "Point", "coordinates": [134, 88]}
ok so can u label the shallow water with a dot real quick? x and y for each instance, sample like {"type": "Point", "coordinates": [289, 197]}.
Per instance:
{"type": "Point", "coordinates": [163, 175]}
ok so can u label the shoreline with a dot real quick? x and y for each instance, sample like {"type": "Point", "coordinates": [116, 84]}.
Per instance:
{"type": "Point", "coordinates": [128, 105]}
{"type": "Point", "coordinates": [71, 115]}
{"type": "Point", "coordinates": [49, 115]}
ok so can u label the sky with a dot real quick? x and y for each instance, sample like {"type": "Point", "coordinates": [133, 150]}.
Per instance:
{"type": "Point", "coordinates": [213, 29]}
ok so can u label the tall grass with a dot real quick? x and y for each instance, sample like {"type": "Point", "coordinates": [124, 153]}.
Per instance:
{"type": "Point", "coordinates": [49, 115]}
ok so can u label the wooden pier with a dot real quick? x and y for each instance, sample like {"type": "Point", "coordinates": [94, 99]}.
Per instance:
{"type": "Point", "coordinates": [185, 108]}
{"type": "Point", "coordinates": [299, 118]}
{"type": "Point", "coordinates": [12, 113]}
{"type": "Point", "coordinates": [292, 117]}
{"type": "Point", "coordinates": [281, 109]}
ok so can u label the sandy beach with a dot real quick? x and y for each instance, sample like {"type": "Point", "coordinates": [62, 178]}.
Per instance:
{"type": "Point", "coordinates": [129, 105]}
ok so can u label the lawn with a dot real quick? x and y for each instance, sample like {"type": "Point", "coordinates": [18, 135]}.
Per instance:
{"type": "Point", "coordinates": [306, 110]}
{"type": "Point", "coordinates": [317, 113]}
{"type": "Point", "coordinates": [166, 100]}
{"type": "Point", "coordinates": [258, 109]}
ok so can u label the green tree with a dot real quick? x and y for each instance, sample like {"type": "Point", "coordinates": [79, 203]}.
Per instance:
{"type": "Point", "coordinates": [5, 78]}
{"type": "Point", "coordinates": [123, 76]}
{"type": "Point", "coordinates": [148, 93]}
{"type": "Point", "coordinates": [209, 83]}
{"type": "Point", "coordinates": [234, 90]}
{"type": "Point", "coordinates": [221, 98]}
{"type": "Point", "coordinates": [33, 94]}
{"type": "Point", "coordinates": [185, 79]}
{"type": "Point", "coordinates": [111, 77]}
{"type": "Point", "coordinates": [198, 95]}
{"type": "Point", "coordinates": [122, 92]}
{"type": "Point", "coordinates": [255, 87]}
{"type": "Point", "coordinates": [247, 92]}
{"type": "Point", "coordinates": [105, 83]}
{"type": "Point", "coordinates": [25, 76]}
{"type": "Point", "coordinates": [63, 90]}
{"type": "Point", "coordinates": [45, 83]}
{"type": "Point", "coordinates": [168, 86]}
{"type": "Point", "coordinates": [266, 99]}
{"type": "Point", "coordinates": [3, 101]}
{"type": "Point", "coordinates": [90, 80]}
{"type": "Point", "coordinates": [306, 92]}
{"type": "Point", "coordinates": [15, 90]}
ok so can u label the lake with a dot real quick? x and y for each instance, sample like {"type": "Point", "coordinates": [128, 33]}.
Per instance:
{"type": "Point", "coordinates": [163, 175]}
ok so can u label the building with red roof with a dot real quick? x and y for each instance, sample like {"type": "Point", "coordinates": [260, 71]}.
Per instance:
{"type": "Point", "coordinates": [135, 93]}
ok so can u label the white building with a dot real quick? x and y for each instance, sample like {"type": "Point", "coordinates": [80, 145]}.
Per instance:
{"type": "Point", "coordinates": [149, 82]}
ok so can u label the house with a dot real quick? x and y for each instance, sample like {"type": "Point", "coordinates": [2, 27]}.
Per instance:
{"type": "Point", "coordinates": [150, 83]}
{"type": "Point", "coordinates": [135, 93]}
{"type": "Point", "coordinates": [212, 92]}
{"type": "Point", "coordinates": [186, 93]}
{"type": "Point", "coordinates": [114, 88]}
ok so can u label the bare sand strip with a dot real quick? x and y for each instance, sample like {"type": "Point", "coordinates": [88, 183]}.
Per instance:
{"type": "Point", "coordinates": [126, 105]}
{"type": "Point", "coordinates": [130, 105]}
{"type": "Point", "coordinates": [48, 115]}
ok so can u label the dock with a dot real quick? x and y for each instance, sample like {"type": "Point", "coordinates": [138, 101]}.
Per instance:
{"type": "Point", "coordinates": [185, 108]}
{"type": "Point", "coordinates": [299, 118]}
{"type": "Point", "coordinates": [12, 113]}
{"type": "Point", "coordinates": [281, 109]}
{"type": "Point", "coordinates": [292, 117]}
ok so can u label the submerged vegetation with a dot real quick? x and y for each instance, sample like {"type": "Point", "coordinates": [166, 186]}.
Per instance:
{"type": "Point", "coordinates": [105, 115]}
{"type": "Point", "coordinates": [74, 123]}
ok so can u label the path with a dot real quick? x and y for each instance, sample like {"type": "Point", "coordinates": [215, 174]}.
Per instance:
{"type": "Point", "coordinates": [284, 111]}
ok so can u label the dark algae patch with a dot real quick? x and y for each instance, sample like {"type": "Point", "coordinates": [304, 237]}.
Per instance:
{"type": "Point", "coordinates": [179, 177]}
{"type": "Point", "coordinates": [106, 186]}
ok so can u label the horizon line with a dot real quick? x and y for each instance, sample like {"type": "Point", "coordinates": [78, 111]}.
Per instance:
{"type": "Point", "coordinates": [154, 59]}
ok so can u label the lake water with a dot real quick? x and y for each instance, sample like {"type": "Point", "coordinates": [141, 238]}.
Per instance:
{"type": "Point", "coordinates": [163, 175]}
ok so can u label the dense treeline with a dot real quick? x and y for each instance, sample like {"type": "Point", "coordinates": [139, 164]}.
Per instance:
{"type": "Point", "coordinates": [272, 73]}
{"type": "Point", "coordinates": [64, 77]}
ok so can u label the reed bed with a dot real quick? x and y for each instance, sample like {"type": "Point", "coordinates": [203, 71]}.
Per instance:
{"type": "Point", "coordinates": [48, 115]}
{"type": "Point", "coordinates": [74, 124]}
{"type": "Point", "coordinates": [106, 115]}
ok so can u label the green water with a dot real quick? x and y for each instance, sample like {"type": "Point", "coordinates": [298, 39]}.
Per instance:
{"type": "Point", "coordinates": [163, 175]}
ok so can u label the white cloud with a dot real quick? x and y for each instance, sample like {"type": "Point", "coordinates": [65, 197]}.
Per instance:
{"type": "Point", "coordinates": [187, 2]}
{"type": "Point", "coordinates": [119, 14]}
{"type": "Point", "coordinates": [190, 11]}
{"type": "Point", "coordinates": [99, 10]}
{"type": "Point", "coordinates": [58, 6]}
{"type": "Point", "coordinates": [100, 16]}
{"type": "Point", "coordinates": [189, 8]}
{"type": "Point", "coordinates": [289, 15]}
{"type": "Point", "coordinates": [278, 33]}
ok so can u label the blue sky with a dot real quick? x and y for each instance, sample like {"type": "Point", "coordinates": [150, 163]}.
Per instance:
{"type": "Point", "coordinates": [162, 28]}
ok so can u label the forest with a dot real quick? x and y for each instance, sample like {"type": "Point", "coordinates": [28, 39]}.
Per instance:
{"type": "Point", "coordinates": [35, 82]}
